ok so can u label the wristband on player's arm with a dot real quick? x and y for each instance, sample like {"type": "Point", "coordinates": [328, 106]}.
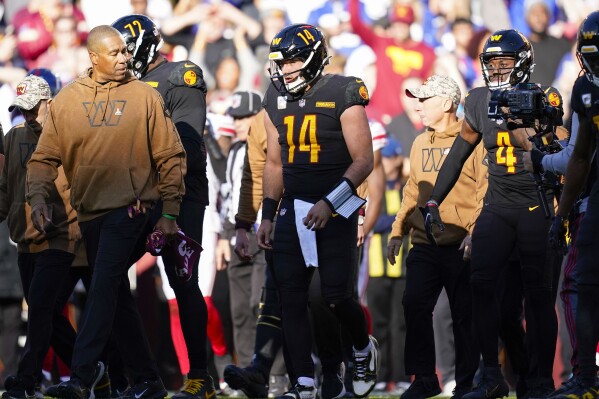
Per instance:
{"type": "Point", "coordinates": [451, 169]}
{"type": "Point", "coordinates": [342, 199]}
{"type": "Point", "coordinates": [269, 208]}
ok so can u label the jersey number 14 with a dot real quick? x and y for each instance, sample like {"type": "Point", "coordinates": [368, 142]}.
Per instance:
{"type": "Point", "coordinates": [307, 141]}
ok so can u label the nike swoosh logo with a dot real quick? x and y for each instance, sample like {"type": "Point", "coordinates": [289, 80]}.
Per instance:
{"type": "Point", "coordinates": [139, 395]}
{"type": "Point", "coordinates": [188, 65]}
{"type": "Point", "coordinates": [359, 81]}
{"type": "Point", "coordinates": [532, 208]}
{"type": "Point", "coordinates": [210, 395]}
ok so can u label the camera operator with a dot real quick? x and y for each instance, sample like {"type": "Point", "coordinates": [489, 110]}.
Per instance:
{"type": "Point", "coordinates": [512, 218]}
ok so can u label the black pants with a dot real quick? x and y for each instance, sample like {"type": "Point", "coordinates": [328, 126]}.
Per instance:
{"type": "Point", "coordinates": [388, 325]}
{"type": "Point", "coordinates": [429, 269]}
{"type": "Point", "coordinates": [10, 329]}
{"type": "Point", "coordinates": [269, 337]}
{"type": "Point", "coordinates": [192, 308]}
{"type": "Point", "coordinates": [587, 311]}
{"type": "Point", "coordinates": [113, 242]}
{"type": "Point", "coordinates": [43, 276]}
{"type": "Point", "coordinates": [245, 287]}
{"type": "Point", "coordinates": [337, 255]}
{"type": "Point", "coordinates": [500, 231]}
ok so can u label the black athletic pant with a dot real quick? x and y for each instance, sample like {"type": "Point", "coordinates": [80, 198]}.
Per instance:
{"type": "Point", "coordinates": [498, 232]}
{"type": "Point", "coordinates": [429, 269]}
{"type": "Point", "coordinates": [192, 307]}
{"type": "Point", "coordinates": [384, 296]}
{"type": "Point", "coordinates": [587, 310]}
{"type": "Point", "coordinates": [43, 275]}
{"type": "Point", "coordinates": [113, 242]}
{"type": "Point", "coordinates": [337, 256]}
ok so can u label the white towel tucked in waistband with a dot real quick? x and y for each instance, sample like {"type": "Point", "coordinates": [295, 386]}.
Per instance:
{"type": "Point", "coordinates": [307, 237]}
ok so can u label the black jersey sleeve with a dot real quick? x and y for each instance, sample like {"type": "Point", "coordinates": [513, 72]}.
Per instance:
{"type": "Point", "coordinates": [554, 99]}
{"type": "Point", "coordinates": [581, 98]}
{"type": "Point", "coordinates": [187, 74]}
{"type": "Point", "coordinates": [476, 107]}
{"type": "Point", "coordinates": [356, 93]}
{"type": "Point", "coordinates": [1, 140]}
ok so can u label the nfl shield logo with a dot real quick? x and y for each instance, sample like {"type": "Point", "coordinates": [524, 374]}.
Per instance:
{"type": "Point", "coordinates": [302, 102]}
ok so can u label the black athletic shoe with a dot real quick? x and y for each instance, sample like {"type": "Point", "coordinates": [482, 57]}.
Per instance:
{"type": "Point", "coordinates": [75, 388]}
{"type": "Point", "coordinates": [18, 387]}
{"type": "Point", "coordinates": [423, 387]}
{"type": "Point", "coordinates": [491, 385]}
{"type": "Point", "coordinates": [579, 390]}
{"type": "Point", "coordinates": [197, 388]}
{"type": "Point", "coordinates": [150, 389]}
{"type": "Point", "coordinates": [249, 380]}
{"type": "Point", "coordinates": [566, 386]}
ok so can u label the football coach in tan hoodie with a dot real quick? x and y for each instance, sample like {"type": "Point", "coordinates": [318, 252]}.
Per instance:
{"type": "Point", "coordinates": [114, 138]}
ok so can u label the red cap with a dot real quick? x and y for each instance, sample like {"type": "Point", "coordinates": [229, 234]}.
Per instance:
{"type": "Point", "coordinates": [402, 13]}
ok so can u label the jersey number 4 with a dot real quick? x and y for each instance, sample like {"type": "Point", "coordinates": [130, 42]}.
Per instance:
{"type": "Point", "coordinates": [505, 146]}
{"type": "Point", "coordinates": [307, 132]}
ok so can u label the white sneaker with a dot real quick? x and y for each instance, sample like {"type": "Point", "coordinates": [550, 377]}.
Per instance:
{"type": "Point", "coordinates": [365, 370]}
{"type": "Point", "coordinates": [299, 392]}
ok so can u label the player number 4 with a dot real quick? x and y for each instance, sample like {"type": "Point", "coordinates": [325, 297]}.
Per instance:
{"type": "Point", "coordinates": [307, 131]}
{"type": "Point", "coordinates": [505, 146]}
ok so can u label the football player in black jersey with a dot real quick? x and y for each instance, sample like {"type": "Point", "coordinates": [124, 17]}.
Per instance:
{"type": "Point", "coordinates": [182, 87]}
{"type": "Point", "coordinates": [585, 106]}
{"type": "Point", "coordinates": [512, 218]}
{"type": "Point", "coordinates": [319, 150]}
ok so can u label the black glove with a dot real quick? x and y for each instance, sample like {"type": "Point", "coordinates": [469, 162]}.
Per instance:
{"type": "Point", "coordinates": [536, 156]}
{"type": "Point", "coordinates": [557, 234]}
{"type": "Point", "coordinates": [431, 217]}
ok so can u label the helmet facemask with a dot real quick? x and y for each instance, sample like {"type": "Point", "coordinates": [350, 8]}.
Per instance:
{"type": "Point", "coordinates": [308, 72]}
{"type": "Point", "coordinates": [142, 54]}
{"type": "Point", "coordinates": [520, 73]}
{"type": "Point", "coordinates": [588, 57]}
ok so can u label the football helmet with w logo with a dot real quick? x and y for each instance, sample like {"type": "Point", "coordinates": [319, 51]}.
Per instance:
{"type": "Point", "coordinates": [508, 43]}
{"type": "Point", "coordinates": [587, 47]}
{"type": "Point", "coordinates": [297, 42]}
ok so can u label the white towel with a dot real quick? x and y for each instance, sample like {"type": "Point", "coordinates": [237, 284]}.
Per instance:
{"type": "Point", "coordinates": [307, 237]}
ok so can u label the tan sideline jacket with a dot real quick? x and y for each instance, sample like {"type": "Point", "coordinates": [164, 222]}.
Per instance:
{"type": "Point", "coordinates": [250, 196]}
{"type": "Point", "coordinates": [113, 140]}
{"type": "Point", "coordinates": [462, 205]}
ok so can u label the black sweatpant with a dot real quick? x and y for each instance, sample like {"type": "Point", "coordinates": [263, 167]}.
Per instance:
{"type": "Point", "coordinates": [429, 269]}
{"type": "Point", "coordinates": [337, 256]}
{"type": "Point", "coordinates": [43, 275]}
{"type": "Point", "coordinates": [113, 242]}
{"type": "Point", "coordinates": [498, 232]}
{"type": "Point", "coordinates": [192, 307]}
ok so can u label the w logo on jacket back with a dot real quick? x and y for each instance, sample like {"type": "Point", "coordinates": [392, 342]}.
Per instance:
{"type": "Point", "coordinates": [98, 114]}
